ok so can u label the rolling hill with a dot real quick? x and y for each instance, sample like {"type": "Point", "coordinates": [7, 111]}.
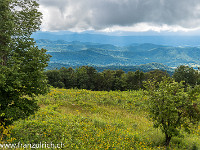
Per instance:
{"type": "Point", "coordinates": [78, 53]}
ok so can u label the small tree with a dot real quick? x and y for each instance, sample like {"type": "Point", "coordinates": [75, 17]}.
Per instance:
{"type": "Point", "coordinates": [134, 80]}
{"type": "Point", "coordinates": [55, 78]}
{"type": "Point", "coordinates": [156, 75]}
{"type": "Point", "coordinates": [171, 108]}
{"type": "Point", "coordinates": [21, 62]}
{"type": "Point", "coordinates": [186, 74]}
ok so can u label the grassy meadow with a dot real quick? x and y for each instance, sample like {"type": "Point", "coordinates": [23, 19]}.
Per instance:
{"type": "Point", "coordinates": [101, 120]}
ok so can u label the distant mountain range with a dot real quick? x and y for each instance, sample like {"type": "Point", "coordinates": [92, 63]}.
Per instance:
{"type": "Point", "coordinates": [168, 40]}
{"type": "Point", "coordinates": [119, 52]}
{"type": "Point", "coordinates": [78, 53]}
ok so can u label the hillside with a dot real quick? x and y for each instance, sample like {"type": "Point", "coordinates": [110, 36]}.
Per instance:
{"type": "Point", "coordinates": [144, 67]}
{"type": "Point", "coordinates": [82, 119]}
{"type": "Point", "coordinates": [93, 54]}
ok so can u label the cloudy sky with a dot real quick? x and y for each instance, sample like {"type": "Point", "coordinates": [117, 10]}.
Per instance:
{"type": "Point", "coordinates": [121, 15]}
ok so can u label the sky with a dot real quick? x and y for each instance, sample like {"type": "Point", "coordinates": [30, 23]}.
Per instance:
{"type": "Point", "coordinates": [172, 16]}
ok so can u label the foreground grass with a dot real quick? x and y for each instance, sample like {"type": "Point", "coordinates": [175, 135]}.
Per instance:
{"type": "Point", "coordinates": [82, 119]}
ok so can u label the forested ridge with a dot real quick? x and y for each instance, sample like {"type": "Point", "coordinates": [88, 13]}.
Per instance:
{"type": "Point", "coordinates": [78, 53]}
{"type": "Point", "coordinates": [89, 78]}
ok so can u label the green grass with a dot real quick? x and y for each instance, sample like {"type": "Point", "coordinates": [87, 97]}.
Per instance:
{"type": "Point", "coordinates": [83, 119]}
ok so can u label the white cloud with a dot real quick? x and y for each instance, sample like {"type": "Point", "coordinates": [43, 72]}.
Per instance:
{"type": "Point", "coordinates": [112, 15]}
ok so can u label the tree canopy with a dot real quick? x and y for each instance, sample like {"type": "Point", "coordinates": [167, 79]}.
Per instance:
{"type": "Point", "coordinates": [21, 62]}
{"type": "Point", "coordinates": [171, 108]}
{"type": "Point", "coordinates": [186, 74]}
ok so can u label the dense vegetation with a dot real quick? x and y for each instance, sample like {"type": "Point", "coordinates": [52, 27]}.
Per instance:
{"type": "Point", "coordinates": [83, 119]}
{"type": "Point", "coordinates": [143, 67]}
{"type": "Point", "coordinates": [86, 77]}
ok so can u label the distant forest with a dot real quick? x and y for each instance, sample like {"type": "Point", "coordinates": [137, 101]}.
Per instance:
{"type": "Point", "coordinates": [78, 53]}
{"type": "Point", "coordinates": [89, 78]}
{"type": "Point", "coordinates": [144, 67]}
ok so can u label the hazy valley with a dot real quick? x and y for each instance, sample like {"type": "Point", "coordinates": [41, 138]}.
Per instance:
{"type": "Point", "coordinates": [78, 53]}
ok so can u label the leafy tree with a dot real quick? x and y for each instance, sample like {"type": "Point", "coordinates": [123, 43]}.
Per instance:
{"type": "Point", "coordinates": [119, 82]}
{"type": "Point", "coordinates": [139, 77]}
{"type": "Point", "coordinates": [21, 62]}
{"type": "Point", "coordinates": [187, 74]}
{"type": "Point", "coordinates": [134, 80]}
{"type": "Point", "coordinates": [99, 82]}
{"type": "Point", "coordinates": [109, 79]}
{"type": "Point", "coordinates": [68, 77]}
{"type": "Point", "coordinates": [54, 78]}
{"type": "Point", "coordinates": [82, 78]}
{"type": "Point", "coordinates": [172, 109]}
{"type": "Point", "coordinates": [92, 74]}
{"type": "Point", "coordinates": [129, 78]}
{"type": "Point", "coordinates": [156, 75]}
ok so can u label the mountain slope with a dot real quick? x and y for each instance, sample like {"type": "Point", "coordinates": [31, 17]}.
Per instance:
{"type": "Point", "coordinates": [86, 53]}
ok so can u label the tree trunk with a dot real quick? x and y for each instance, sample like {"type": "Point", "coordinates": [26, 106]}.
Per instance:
{"type": "Point", "coordinates": [4, 60]}
{"type": "Point", "coordinates": [167, 139]}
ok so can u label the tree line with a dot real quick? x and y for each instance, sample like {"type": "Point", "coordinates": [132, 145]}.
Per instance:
{"type": "Point", "coordinates": [87, 77]}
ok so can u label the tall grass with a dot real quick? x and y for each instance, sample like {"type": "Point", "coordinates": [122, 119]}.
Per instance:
{"type": "Point", "coordinates": [82, 119]}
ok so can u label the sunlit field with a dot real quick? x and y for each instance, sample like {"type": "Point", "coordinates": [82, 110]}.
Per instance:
{"type": "Point", "coordinates": [82, 119]}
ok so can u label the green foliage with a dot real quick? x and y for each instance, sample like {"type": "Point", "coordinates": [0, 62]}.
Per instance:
{"type": "Point", "coordinates": [187, 74]}
{"type": "Point", "coordinates": [55, 78]}
{"type": "Point", "coordinates": [86, 77]}
{"type": "Point", "coordinates": [21, 62]}
{"type": "Point", "coordinates": [68, 77]}
{"type": "Point", "coordinates": [134, 80]}
{"type": "Point", "coordinates": [74, 131]}
{"type": "Point", "coordinates": [155, 75]}
{"type": "Point", "coordinates": [172, 109]}
{"type": "Point", "coordinates": [83, 119]}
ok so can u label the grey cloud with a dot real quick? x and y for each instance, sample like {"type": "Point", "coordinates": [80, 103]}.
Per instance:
{"type": "Point", "coordinates": [100, 14]}
{"type": "Point", "coordinates": [59, 4]}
